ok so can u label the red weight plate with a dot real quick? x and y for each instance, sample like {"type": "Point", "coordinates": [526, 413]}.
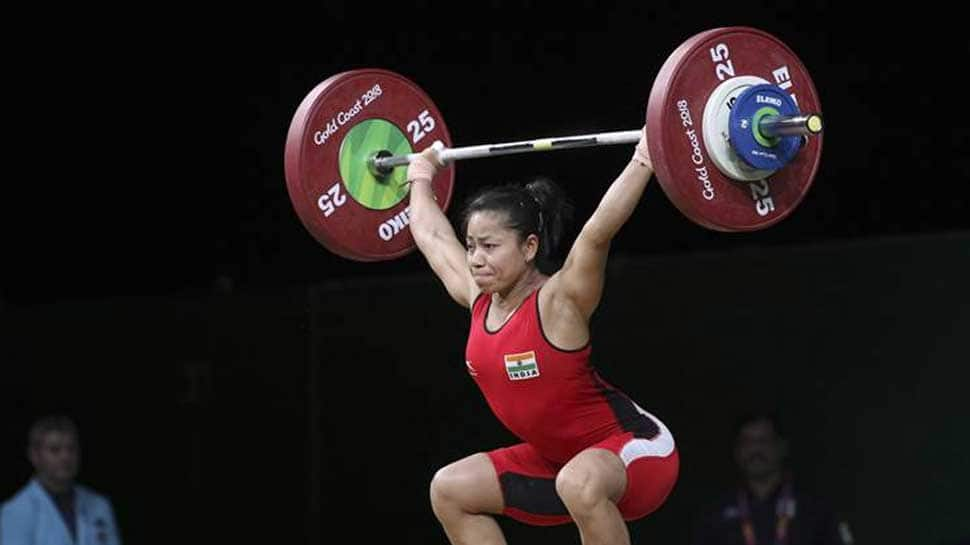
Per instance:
{"type": "Point", "coordinates": [675, 132]}
{"type": "Point", "coordinates": [324, 201]}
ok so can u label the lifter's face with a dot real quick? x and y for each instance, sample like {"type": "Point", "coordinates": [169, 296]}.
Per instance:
{"type": "Point", "coordinates": [55, 457]}
{"type": "Point", "coordinates": [496, 257]}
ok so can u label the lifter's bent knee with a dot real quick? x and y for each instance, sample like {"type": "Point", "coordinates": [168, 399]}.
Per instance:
{"type": "Point", "coordinates": [445, 491]}
{"type": "Point", "coordinates": [578, 491]}
{"type": "Point", "coordinates": [468, 485]}
{"type": "Point", "coordinates": [590, 479]}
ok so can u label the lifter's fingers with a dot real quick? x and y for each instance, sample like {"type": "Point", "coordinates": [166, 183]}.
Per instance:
{"type": "Point", "coordinates": [426, 164]}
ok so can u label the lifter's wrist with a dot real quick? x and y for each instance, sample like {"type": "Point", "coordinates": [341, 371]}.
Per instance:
{"type": "Point", "coordinates": [641, 163]}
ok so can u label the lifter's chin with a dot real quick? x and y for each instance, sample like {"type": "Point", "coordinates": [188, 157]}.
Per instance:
{"type": "Point", "coordinates": [486, 283]}
{"type": "Point", "coordinates": [483, 286]}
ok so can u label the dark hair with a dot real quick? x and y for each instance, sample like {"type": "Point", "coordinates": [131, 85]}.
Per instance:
{"type": "Point", "coordinates": [48, 424]}
{"type": "Point", "coordinates": [758, 415]}
{"type": "Point", "coordinates": [539, 207]}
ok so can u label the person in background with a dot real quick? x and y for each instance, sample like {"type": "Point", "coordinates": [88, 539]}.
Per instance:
{"type": "Point", "coordinates": [52, 509]}
{"type": "Point", "coordinates": [768, 507]}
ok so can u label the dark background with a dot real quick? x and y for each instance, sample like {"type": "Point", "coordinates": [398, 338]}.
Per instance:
{"type": "Point", "coordinates": [232, 377]}
{"type": "Point", "coordinates": [162, 172]}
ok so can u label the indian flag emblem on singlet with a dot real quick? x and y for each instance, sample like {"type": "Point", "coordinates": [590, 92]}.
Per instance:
{"type": "Point", "coordinates": [521, 366]}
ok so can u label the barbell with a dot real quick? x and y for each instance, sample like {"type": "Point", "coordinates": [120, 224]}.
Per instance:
{"type": "Point", "coordinates": [733, 127]}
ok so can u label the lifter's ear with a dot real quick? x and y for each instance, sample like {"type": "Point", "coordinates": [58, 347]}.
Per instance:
{"type": "Point", "coordinates": [531, 247]}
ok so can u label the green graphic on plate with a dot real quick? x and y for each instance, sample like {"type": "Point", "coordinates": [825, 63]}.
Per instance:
{"type": "Point", "coordinates": [362, 142]}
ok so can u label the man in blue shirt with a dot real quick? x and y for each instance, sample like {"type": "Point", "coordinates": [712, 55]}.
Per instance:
{"type": "Point", "coordinates": [52, 509]}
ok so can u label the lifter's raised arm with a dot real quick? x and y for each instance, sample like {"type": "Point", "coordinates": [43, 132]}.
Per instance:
{"type": "Point", "coordinates": [581, 277]}
{"type": "Point", "coordinates": [433, 233]}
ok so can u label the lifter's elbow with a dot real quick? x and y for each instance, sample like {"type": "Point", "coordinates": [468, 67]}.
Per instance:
{"type": "Point", "coordinates": [422, 237]}
{"type": "Point", "coordinates": [420, 224]}
{"type": "Point", "coordinates": [423, 232]}
{"type": "Point", "coordinates": [596, 235]}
